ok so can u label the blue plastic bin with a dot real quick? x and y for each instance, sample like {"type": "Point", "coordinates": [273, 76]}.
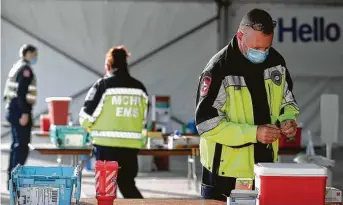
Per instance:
{"type": "Point", "coordinates": [45, 185]}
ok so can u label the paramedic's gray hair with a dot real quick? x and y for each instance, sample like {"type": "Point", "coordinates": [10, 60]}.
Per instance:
{"type": "Point", "coordinates": [259, 20]}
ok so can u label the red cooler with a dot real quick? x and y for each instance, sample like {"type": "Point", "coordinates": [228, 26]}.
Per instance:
{"type": "Point", "coordinates": [58, 110]}
{"type": "Point", "coordinates": [290, 184]}
{"type": "Point", "coordinates": [106, 182]}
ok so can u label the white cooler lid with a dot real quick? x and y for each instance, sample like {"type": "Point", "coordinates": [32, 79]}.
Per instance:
{"type": "Point", "coordinates": [289, 169]}
{"type": "Point", "coordinates": [49, 99]}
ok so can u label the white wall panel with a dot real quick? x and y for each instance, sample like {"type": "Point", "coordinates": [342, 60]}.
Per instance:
{"type": "Point", "coordinates": [307, 57]}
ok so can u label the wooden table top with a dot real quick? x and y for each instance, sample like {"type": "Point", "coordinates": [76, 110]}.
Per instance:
{"type": "Point", "coordinates": [149, 134]}
{"type": "Point", "coordinates": [40, 133]}
{"type": "Point", "coordinates": [155, 202]}
{"type": "Point", "coordinates": [51, 149]}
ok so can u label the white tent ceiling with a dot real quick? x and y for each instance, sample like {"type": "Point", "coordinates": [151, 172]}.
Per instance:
{"type": "Point", "coordinates": [85, 29]}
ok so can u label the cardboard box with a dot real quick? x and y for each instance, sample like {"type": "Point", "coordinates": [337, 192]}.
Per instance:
{"type": "Point", "coordinates": [333, 196]}
{"type": "Point", "coordinates": [242, 197]}
{"type": "Point", "coordinates": [244, 184]}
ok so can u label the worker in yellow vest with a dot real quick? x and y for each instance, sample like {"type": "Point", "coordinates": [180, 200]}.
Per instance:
{"type": "Point", "coordinates": [115, 112]}
{"type": "Point", "coordinates": [20, 96]}
{"type": "Point", "coordinates": [244, 105]}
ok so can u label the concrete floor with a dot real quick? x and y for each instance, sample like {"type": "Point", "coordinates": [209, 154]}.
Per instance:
{"type": "Point", "coordinates": [171, 184]}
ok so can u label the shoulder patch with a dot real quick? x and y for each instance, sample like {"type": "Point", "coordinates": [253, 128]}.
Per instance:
{"type": "Point", "coordinates": [205, 85]}
{"type": "Point", "coordinates": [91, 94]}
{"type": "Point", "coordinates": [27, 73]}
{"type": "Point", "coordinates": [276, 77]}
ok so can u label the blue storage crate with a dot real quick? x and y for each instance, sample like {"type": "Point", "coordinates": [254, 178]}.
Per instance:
{"type": "Point", "coordinates": [69, 136]}
{"type": "Point", "coordinates": [44, 185]}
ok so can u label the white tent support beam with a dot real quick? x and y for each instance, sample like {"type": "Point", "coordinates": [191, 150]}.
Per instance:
{"type": "Point", "coordinates": [223, 22]}
{"type": "Point", "coordinates": [298, 2]}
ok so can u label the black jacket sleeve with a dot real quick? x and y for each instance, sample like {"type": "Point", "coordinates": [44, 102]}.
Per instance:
{"type": "Point", "coordinates": [24, 79]}
{"type": "Point", "coordinates": [93, 97]}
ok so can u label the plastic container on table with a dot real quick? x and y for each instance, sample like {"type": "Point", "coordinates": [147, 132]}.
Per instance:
{"type": "Point", "coordinates": [58, 110]}
{"type": "Point", "coordinates": [44, 185]}
{"type": "Point", "coordinates": [106, 181]}
{"type": "Point", "coordinates": [290, 184]}
{"type": "Point", "coordinates": [69, 136]}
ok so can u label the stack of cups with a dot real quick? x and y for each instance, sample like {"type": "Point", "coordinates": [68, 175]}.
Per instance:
{"type": "Point", "coordinates": [106, 181]}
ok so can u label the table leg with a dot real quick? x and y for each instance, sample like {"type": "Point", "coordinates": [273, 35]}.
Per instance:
{"type": "Point", "coordinates": [74, 160]}
{"type": "Point", "coordinates": [195, 178]}
{"type": "Point", "coordinates": [84, 159]}
{"type": "Point", "coordinates": [59, 160]}
{"type": "Point", "coordinates": [279, 159]}
{"type": "Point", "coordinates": [189, 174]}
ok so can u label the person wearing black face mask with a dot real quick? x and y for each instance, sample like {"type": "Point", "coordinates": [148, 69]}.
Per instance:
{"type": "Point", "coordinates": [20, 96]}
{"type": "Point", "coordinates": [244, 104]}
{"type": "Point", "coordinates": [114, 113]}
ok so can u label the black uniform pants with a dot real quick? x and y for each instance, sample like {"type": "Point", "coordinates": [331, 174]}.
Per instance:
{"type": "Point", "coordinates": [128, 163]}
{"type": "Point", "coordinates": [21, 137]}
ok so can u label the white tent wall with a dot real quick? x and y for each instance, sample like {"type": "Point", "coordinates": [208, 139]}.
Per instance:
{"type": "Point", "coordinates": [53, 71]}
{"type": "Point", "coordinates": [316, 67]}
{"type": "Point", "coordinates": [85, 30]}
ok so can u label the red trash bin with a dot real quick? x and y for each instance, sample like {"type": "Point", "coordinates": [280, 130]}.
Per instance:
{"type": "Point", "coordinates": [106, 181]}
{"type": "Point", "coordinates": [58, 110]}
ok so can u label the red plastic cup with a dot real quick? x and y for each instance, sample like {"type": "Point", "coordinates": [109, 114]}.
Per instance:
{"type": "Point", "coordinates": [104, 200]}
{"type": "Point", "coordinates": [58, 110]}
{"type": "Point", "coordinates": [106, 181]}
{"type": "Point", "coordinates": [44, 123]}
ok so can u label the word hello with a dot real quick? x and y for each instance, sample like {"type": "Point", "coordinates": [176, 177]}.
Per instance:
{"type": "Point", "coordinates": [318, 31]}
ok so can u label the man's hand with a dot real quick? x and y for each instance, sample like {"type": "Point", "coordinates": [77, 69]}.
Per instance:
{"type": "Point", "coordinates": [24, 119]}
{"type": "Point", "coordinates": [267, 134]}
{"type": "Point", "coordinates": [289, 128]}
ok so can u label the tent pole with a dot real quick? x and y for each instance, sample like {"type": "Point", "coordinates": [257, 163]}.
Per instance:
{"type": "Point", "coordinates": [223, 22]}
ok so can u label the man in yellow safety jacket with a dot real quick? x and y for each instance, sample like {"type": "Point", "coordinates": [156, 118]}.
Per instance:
{"type": "Point", "coordinates": [244, 104]}
{"type": "Point", "coordinates": [114, 112]}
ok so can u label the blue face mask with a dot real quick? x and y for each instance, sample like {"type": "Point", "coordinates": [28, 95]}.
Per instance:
{"type": "Point", "coordinates": [33, 61]}
{"type": "Point", "coordinates": [257, 56]}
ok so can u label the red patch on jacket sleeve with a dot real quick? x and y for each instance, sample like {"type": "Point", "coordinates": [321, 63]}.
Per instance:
{"type": "Point", "coordinates": [27, 73]}
{"type": "Point", "coordinates": [205, 85]}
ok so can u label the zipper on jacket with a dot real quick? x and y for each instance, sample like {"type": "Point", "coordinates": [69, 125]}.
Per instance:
{"type": "Point", "coordinates": [270, 100]}
{"type": "Point", "coordinates": [269, 146]}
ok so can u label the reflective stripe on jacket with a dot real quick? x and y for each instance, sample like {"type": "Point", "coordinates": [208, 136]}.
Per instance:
{"type": "Point", "coordinates": [21, 73]}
